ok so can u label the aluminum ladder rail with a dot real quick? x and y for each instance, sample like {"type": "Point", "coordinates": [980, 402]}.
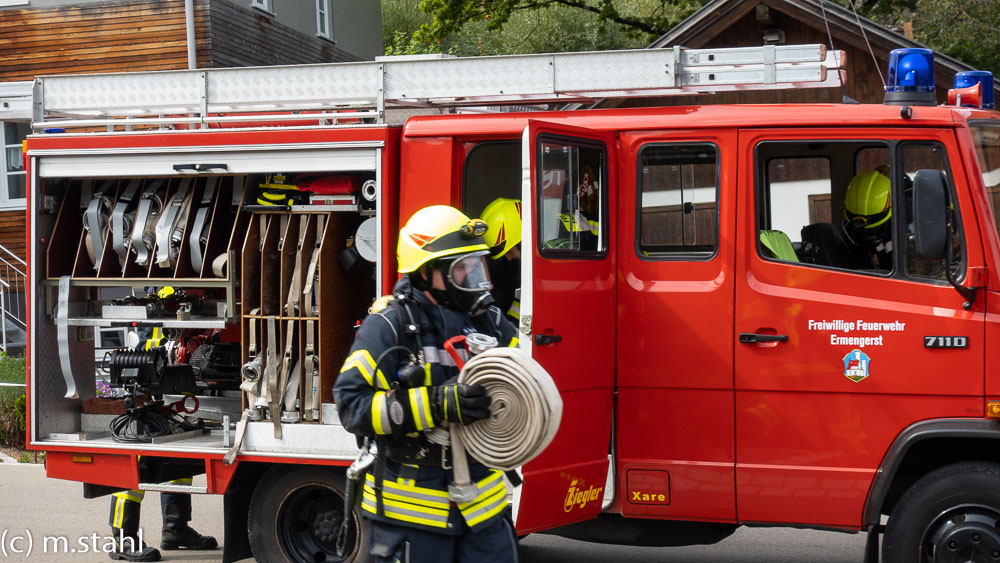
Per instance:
{"type": "Point", "coordinates": [15, 100]}
{"type": "Point", "coordinates": [365, 90]}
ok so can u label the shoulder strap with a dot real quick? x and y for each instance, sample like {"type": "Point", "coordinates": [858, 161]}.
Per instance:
{"type": "Point", "coordinates": [408, 321]}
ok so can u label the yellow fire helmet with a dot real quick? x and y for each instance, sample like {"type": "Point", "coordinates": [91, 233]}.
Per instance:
{"type": "Point", "coordinates": [435, 232]}
{"type": "Point", "coordinates": [867, 206]}
{"type": "Point", "coordinates": [503, 221]}
{"type": "Point", "coordinates": [868, 197]}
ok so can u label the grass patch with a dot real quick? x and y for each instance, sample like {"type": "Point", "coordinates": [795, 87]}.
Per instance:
{"type": "Point", "coordinates": [12, 403]}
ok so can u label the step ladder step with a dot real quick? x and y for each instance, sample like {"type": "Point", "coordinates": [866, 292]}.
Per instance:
{"type": "Point", "coordinates": [174, 488]}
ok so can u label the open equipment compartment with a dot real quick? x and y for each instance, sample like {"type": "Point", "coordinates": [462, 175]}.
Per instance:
{"type": "Point", "coordinates": [229, 263]}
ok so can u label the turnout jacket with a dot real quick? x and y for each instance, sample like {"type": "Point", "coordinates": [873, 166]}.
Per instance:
{"type": "Point", "coordinates": [414, 482]}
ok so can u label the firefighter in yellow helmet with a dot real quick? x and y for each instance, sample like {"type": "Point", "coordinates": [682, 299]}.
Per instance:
{"type": "Point", "coordinates": [503, 235]}
{"type": "Point", "coordinates": [398, 381]}
{"type": "Point", "coordinates": [867, 217]}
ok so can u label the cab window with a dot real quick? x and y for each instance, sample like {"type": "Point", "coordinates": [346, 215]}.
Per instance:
{"type": "Point", "coordinates": [845, 205]}
{"type": "Point", "coordinates": [986, 136]}
{"type": "Point", "coordinates": [922, 156]}
{"type": "Point", "coordinates": [678, 201]}
{"type": "Point", "coordinates": [572, 201]}
{"type": "Point", "coordinates": [492, 170]}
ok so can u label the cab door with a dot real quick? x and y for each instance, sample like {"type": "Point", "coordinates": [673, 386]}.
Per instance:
{"type": "Point", "coordinates": [842, 343]}
{"type": "Point", "coordinates": [568, 314]}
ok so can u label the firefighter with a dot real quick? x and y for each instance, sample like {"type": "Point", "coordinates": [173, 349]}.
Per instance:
{"type": "Point", "coordinates": [503, 235]}
{"type": "Point", "coordinates": [398, 381]}
{"type": "Point", "coordinates": [580, 227]}
{"type": "Point", "coordinates": [867, 217]}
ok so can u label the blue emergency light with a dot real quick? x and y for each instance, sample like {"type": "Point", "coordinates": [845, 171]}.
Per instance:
{"type": "Point", "coordinates": [968, 78]}
{"type": "Point", "coordinates": [911, 78]}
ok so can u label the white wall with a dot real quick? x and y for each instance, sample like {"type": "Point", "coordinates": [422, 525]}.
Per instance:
{"type": "Point", "coordinates": [790, 205]}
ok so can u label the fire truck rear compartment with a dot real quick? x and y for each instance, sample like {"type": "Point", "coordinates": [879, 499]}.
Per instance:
{"type": "Point", "coordinates": [245, 276]}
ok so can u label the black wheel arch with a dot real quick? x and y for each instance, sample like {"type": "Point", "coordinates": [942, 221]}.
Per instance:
{"type": "Point", "coordinates": [923, 447]}
{"type": "Point", "coordinates": [236, 508]}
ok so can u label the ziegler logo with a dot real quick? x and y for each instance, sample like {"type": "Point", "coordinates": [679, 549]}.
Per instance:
{"type": "Point", "coordinates": [578, 498]}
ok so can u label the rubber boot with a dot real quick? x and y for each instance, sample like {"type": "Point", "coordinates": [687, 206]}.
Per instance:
{"type": "Point", "coordinates": [131, 548]}
{"type": "Point", "coordinates": [176, 532]}
{"type": "Point", "coordinates": [124, 521]}
{"type": "Point", "coordinates": [186, 538]}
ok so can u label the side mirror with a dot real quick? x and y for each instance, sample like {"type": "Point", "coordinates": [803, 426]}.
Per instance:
{"type": "Point", "coordinates": [930, 214]}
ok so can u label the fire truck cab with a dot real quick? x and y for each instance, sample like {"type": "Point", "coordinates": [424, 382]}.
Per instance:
{"type": "Point", "coordinates": [727, 349]}
{"type": "Point", "coordinates": [743, 375]}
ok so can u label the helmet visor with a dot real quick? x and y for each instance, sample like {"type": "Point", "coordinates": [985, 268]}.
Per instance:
{"type": "Point", "coordinates": [469, 272]}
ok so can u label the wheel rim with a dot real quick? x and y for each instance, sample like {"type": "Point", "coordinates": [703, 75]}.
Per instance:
{"type": "Point", "coordinates": [963, 534]}
{"type": "Point", "coordinates": [308, 521]}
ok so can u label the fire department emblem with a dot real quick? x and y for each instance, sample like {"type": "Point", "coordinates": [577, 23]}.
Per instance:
{"type": "Point", "coordinates": [856, 365]}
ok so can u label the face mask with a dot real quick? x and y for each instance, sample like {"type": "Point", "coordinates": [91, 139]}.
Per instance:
{"type": "Point", "coordinates": [473, 302]}
{"type": "Point", "coordinates": [866, 237]}
{"type": "Point", "coordinates": [467, 283]}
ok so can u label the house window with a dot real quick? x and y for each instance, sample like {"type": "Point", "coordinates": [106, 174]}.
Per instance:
{"type": "Point", "coordinates": [323, 18]}
{"type": "Point", "coordinates": [262, 5]}
{"type": "Point", "coordinates": [13, 182]}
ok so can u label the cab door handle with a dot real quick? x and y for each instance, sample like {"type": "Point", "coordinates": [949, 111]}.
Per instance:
{"type": "Point", "coordinates": [543, 339]}
{"type": "Point", "coordinates": [754, 338]}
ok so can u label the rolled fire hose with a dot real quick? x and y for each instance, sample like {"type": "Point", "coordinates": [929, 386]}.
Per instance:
{"type": "Point", "coordinates": [526, 410]}
{"type": "Point", "coordinates": [169, 228]}
{"type": "Point", "coordinates": [147, 215]}
{"type": "Point", "coordinates": [95, 222]}
{"type": "Point", "coordinates": [123, 221]}
{"type": "Point", "coordinates": [198, 238]}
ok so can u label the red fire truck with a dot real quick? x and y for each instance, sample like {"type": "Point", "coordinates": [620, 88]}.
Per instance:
{"type": "Point", "coordinates": [727, 351]}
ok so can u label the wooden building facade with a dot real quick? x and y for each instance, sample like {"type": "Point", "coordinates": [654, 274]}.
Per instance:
{"type": "Point", "coordinates": [751, 23]}
{"type": "Point", "coordinates": [149, 35]}
{"type": "Point", "coordinates": [138, 35]}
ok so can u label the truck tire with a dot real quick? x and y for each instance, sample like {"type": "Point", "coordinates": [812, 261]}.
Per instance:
{"type": "Point", "coordinates": [295, 513]}
{"type": "Point", "coordinates": [951, 514]}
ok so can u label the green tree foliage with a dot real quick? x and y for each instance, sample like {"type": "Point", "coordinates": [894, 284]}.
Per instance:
{"type": "Point", "coordinates": [652, 17]}
{"type": "Point", "coordinates": [963, 29]}
{"type": "Point", "coordinates": [491, 27]}
{"type": "Point", "coordinates": [400, 21]}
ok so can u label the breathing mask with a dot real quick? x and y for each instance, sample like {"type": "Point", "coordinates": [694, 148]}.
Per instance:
{"type": "Point", "coordinates": [466, 280]}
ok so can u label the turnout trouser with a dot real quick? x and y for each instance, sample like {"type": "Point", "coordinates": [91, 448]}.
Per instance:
{"type": "Point", "coordinates": [126, 508]}
{"type": "Point", "coordinates": [399, 544]}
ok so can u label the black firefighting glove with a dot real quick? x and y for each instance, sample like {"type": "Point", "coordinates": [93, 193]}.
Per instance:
{"type": "Point", "coordinates": [459, 402]}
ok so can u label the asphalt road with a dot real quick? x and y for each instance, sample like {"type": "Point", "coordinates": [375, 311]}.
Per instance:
{"type": "Point", "coordinates": [32, 505]}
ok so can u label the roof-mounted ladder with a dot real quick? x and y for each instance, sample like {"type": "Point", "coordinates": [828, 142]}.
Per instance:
{"type": "Point", "coordinates": [367, 89]}
{"type": "Point", "coordinates": [15, 100]}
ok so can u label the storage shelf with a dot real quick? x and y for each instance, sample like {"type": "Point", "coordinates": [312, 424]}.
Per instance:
{"type": "Point", "coordinates": [193, 322]}
{"type": "Point", "coordinates": [158, 282]}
